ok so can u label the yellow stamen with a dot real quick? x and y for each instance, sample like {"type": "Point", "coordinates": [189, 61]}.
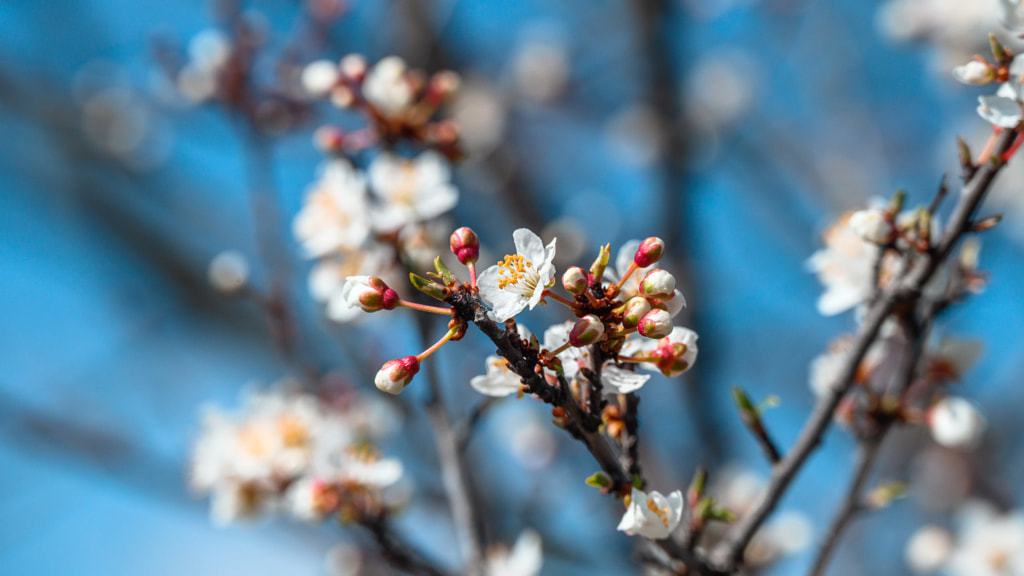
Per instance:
{"type": "Point", "coordinates": [661, 513]}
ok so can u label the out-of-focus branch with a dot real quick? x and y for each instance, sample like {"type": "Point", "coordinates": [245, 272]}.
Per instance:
{"type": "Point", "coordinates": [397, 553]}
{"type": "Point", "coordinates": [905, 290]}
{"type": "Point", "coordinates": [469, 529]}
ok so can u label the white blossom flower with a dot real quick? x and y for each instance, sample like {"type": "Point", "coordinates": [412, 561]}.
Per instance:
{"type": "Point", "coordinates": [989, 544]}
{"type": "Point", "coordinates": [410, 191]}
{"type": "Point", "coordinates": [232, 502]}
{"type": "Point", "coordinates": [873, 225]}
{"type": "Point", "coordinates": [335, 215]}
{"type": "Point", "coordinates": [953, 358]}
{"type": "Point", "coordinates": [652, 515]}
{"type": "Point", "coordinates": [614, 379]}
{"type": "Point", "coordinates": [519, 280]}
{"type": "Point", "coordinates": [618, 380]}
{"type": "Point", "coordinates": [525, 558]}
{"type": "Point", "coordinates": [1003, 109]}
{"type": "Point", "coordinates": [387, 88]}
{"type": "Point", "coordinates": [309, 499]}
{"type": "Point", "coordinates": [974, 72]}
{"type": "Point", "coordinates": [845, 266]}
{"type": "Point", "coordinates": [955, 423]}
{"type": "Point", "coordinates": [245, 459]}
{"type": "Point", "coordinates": [637, 345]}
{"type": "Point", "coordinates": [499, 380]}
{"type": "Point", "coordinates": [327, 278]}
{"type": "Point", "coordinates": [928, 549]}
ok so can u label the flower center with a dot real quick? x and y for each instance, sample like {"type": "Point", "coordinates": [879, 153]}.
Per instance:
{"type": "Point", "coordinates": [661, 513]}
{"type": "Point", "coordinates": [517, 274]}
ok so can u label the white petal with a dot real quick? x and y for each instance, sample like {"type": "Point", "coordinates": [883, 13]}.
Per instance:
{"type": "Point", "coordinates": [529, 245]}
{"type": "Point", "coordinates": [621, 381]}
{"type": "Point", "coordinates": [1002, 112]}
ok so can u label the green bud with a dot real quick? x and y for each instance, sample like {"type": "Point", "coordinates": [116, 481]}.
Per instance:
{"type": "Point", "coordinates": [597, 268]}
{"type": "Point", "coordinates": [599, 480]}
{"type": "Point", "coordinates": [896, 203]}
{"type": "Point", "coordinates": [998, 51]}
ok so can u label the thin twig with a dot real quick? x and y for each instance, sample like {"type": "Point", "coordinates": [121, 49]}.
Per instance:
{"type": "Point", "coordinates": [867, 453]}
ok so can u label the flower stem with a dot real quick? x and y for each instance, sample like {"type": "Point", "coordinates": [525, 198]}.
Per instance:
{"type": "Point", "coordinates": [629, 272]}
{"type": "Point", "coordinates": [472, 273]}
{"type": "Point", "coordinates": [558, 298]}
{"type": "Point", "coordinates": [560, 349]}
{"type": "Point", "coordinates": [989, 146]}
{"type": "Point", "coordinates": [421, 357]}
{"type": "Point", "coordinates": [425, 308]}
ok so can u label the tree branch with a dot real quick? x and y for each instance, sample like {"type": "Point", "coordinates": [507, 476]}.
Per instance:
{"type": "Point", "coordinates": [908, 287]}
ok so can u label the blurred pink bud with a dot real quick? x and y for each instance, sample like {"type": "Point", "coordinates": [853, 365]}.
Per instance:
{"type": "Point", "coordinates": [353, 67]}
{"type": "Point", "coordinates": [329, 139]}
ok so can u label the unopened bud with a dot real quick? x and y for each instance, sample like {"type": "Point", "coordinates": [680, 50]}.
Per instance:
{"type": "Point", "coordinates": [329, 139]}
{"type": "Point", "coordinates": [395, 375]}
{"type": "Point", "coordinates": [575, 280]}
{"type": "Point", "coordinates": [369, 293]}
{"type": "Point", "coordinates": [228, 272]}
{"type": "Point", "coordinates": [658, 283]}
{"type": "Point", "coordinates": [656, 324]}
{"type": "Point", "coordinates": [1001, 54]}
{"type": "Point", "coordinates": [318, 78]}
{"type": "Point", "coordinates": [600, 263]}
{"type": "Point", "coordinates": [586, 330]}
{"type": "Point", "coordinates": [874, 226]}
{"type": "Point", "coordinates": [442, 85]}
{"type": "Point", "coordinates": [650, 251]}
{"type": "Point", "coordinates": [599, 480]}
{"type": "Point", "coordinates": [353, 67]}
{"type": "Point", "coordinates": [634, 310]}
{"type": "Point", "coordinates": [465, 245]}
{"type": "Point", "coordinates": [343, 97]}
{"type": "Point", "coordinates": [987, 223]}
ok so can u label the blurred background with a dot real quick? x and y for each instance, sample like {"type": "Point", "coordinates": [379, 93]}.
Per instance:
{"type": "Point", "coordinates": [735, 129]}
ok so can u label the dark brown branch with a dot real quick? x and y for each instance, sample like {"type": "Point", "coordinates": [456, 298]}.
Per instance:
{"type": "Point", "coordinates": [908, 287]}
{"type": "Point", "coordinates": [582, 425]}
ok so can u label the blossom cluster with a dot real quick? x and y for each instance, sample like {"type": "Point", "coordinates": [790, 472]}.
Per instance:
{"type": "Point", "coordinates": [864, 252]}
{"type": "Point", "coordinates": [288, 451]}
{"type": "Point", "coordinates": [357, 222]}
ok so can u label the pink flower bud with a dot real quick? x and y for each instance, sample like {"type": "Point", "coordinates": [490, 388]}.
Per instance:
{"type": "Point", "coordinates": [656, 324]}
{"type": "Point", "coordinates": [353, 67]}
{"type": "Point", "coordinates": [635, 309]}
{"type": "Point", "coordinates": [329, 139]}
{"type": "Point", "coordinates": [395, 375]}
{"type": "Point", "coordinates": [369, 293]}
{"type": "Point", "coordinates": [586, 330]}
{"type": "Point", "coordinates": [649, 252]}
{"type": "Point", "coordinates": [575, 280]}
{"type": "Point", "coordinates": [677, 352]}
{"type": "Point", "coordinates": [465, 245]}
{"type": "Point", "coordinates": [658, 283]}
